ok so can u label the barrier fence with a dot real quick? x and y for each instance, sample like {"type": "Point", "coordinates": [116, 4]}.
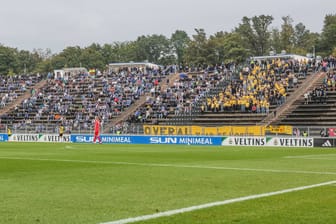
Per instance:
{"type": "Point", "coordinates": [140, 129]}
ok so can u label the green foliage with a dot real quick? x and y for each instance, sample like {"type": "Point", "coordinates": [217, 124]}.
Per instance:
{"type": "Point", "coordinates": [293, 39]}
{"type": "Point", "coordinates": [44, 66]}
{"type": "Point", "coordinates": [226, 47]}
{"type": "Point", "coordinates": [13, 61]}
{"type": "Point", "coordinates": [328, 35]}
{"type": "Point", "coordinates": [275, 40]}
{"type": "Point", "coordinates": [287, 34]}
{"type": "Point", "coordinates": [8, 60]}
{"type": "Point", "coordinates": [179, 41]}
{"type": "Point", "coordinates": [301, 35]}
{"type": "Point", "coordinates": [233, 48]}
{"type": "Point", "coordinates": [123, 52]}
{"type": "Point", "coordinates": [152, 48]}
{"type": "Point", "coordinates": [91, 57]}
{"type": "Point", "coordinates": [25, 62]}
{"type": "Point", "coordinates": [71, 57]}
{"type": "Point", "coordinates": [196, 52]}
{"type": "Point", "coordinates": [255, 33]}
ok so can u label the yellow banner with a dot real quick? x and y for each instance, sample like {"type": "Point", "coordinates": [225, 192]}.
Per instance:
{"type": "Point", "coordinates": [196, 130]}
{"type": "Point", "coordinates": [166, 130]}
{"type": "Point", "coordinates": [247, 131]}
{"type": "Point", "coordinates": [224, 130]}
{"type": "Point", "coordinates": [199, 130]}
{"type": "Point", "coordinates": [210, 131]}
{"type": "Point", "coordinates": [283, 129]}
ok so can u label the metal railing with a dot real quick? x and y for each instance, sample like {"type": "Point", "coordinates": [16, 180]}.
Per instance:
{"type": "Point", "coordinates": [137, 129]}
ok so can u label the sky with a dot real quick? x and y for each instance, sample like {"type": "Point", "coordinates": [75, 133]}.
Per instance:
{"type": "Point", "coordinates": [57, 24]}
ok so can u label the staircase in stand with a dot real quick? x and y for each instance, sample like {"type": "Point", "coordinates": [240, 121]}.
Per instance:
{"type": "Point", "coordinates": [140, 102]}
{"type": "Point", "coordinates": [26, 95]}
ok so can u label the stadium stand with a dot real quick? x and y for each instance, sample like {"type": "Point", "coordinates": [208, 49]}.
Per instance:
{"type": "Point", "coordinates": [226, 99]}
{"type": "Point", "coordinates": [263, 93]}
{"type": "Point", "coordinates": [13, 87]}
{"type": "Point", "coordinates": [75, 101]}
{"type": "Point", "coordinates": [316, 106]}
{"type": "Point", "coordinates": [13, 90]}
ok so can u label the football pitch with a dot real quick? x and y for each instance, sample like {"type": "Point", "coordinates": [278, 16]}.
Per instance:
{"type": "Point", "coordinates": [92, 184]}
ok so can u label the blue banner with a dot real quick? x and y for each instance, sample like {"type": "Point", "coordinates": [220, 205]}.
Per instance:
{"type": "Point", "coordinates": [3, 137]}
{"type": "Point", "coordinates": [116, 139]}
{"type": "Point", "coordinates": [128, 139]}
{"type": "Point", "coordinates": [185, 140]}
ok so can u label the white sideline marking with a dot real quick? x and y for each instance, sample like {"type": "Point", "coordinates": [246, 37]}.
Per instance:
{"type": "Point", "coordinates": [170, 165]}
{"type": "Point", "coordinates": [68, 147]}
{"type": "Point", "coordinates": [217, 203]}
{"type": "Point", "coordinates": [310, 155]}
{"type": "Point", "coordinates": [316, 157]}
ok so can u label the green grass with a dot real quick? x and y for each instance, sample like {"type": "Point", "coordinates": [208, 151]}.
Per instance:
{"type": "Point", "coordinates": [86, 183]}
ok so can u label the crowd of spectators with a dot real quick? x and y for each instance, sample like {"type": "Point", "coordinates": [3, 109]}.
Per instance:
{"type": "Point", "coordinates": [327, 63]}
{"type": "Point", "coordinates": [12, 86]}
{"type": "Point", "coordinates": [319, 94]}
{"type": "Point", "coordinates": [182, 96]}
{"type": "Point", "coordinates": [74, 101]}
{"type": "Point", "coordinates": [260, 85]}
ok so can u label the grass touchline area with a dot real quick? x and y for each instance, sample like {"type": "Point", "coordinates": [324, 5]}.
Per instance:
{"type": "Point", "coordinates": [217, 203]}
{"type": "Point", "coordinates": [171, 165]}
{"type": "Point", "coordinates": [92, 183]}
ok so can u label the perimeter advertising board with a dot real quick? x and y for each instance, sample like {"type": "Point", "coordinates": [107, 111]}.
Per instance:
{"type": "Point", "coordinates": [3, 137]}
{"type": "Point", "coordinates": [325, 142]}
{"type": "Point", "coordinates": [24, 138]}
{"type": "Point", "coordinates": [268, 141]}
{"type": "Point", "coordinates": [185, 140]}
{"type": "Point", "coordinates": [112, 139]}
{"type": "Point", "coordinates": [176, 140]}
{"type": "Point", "coordinates": [291, 142]}
{"type": "Point", "coordinates": [244, 141]}
{"type": "Point", "coordinates": [38, 138]}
